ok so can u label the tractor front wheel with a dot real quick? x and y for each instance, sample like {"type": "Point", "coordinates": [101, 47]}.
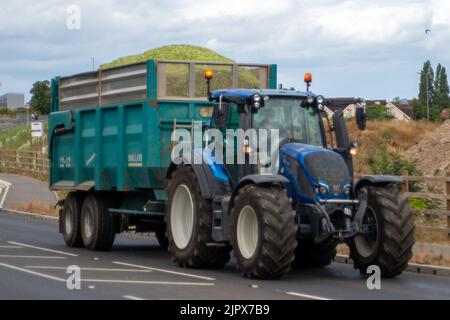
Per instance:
{"type": "Point", "coordinates": [264, 232]}
{"type": "Point", "coordinates": [389, 238]}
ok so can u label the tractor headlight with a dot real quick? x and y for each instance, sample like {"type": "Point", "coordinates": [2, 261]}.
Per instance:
{"type": "Point", "coordinates": [347, 189]}
{"type": "Point", "coordinates": [320, 101]}
{"type": "Point", "coordinates": [310, 100]}
{"type": "Point", "coordinates": [257, 101]}
{"type": "Point", "coordinates": [257, 98]}
{"type": "Point", "coordinates": [322, 189]}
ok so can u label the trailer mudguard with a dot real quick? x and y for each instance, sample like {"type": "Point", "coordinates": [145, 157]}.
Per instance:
{"type": "Point", "coordinates": [379, 181]}
{"type": "Point", "coordinates": [211, 177]}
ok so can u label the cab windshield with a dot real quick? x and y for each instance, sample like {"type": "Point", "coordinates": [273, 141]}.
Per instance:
{"type": "Point", "coordinates": [293, 121]}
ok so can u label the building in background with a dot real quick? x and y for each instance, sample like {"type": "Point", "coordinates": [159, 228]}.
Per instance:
{"type": "Point", "coordinates": [12, 101]}
{"type": "Point", "coordinates": [401, 112]}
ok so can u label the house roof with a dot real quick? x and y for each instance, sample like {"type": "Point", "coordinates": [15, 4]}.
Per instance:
{"type": "Point", "coordinates": [375, 102]}
{"type": "Point", "coordinates": [406, 109]}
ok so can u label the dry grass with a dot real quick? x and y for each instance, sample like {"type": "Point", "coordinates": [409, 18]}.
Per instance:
{"type": "Point", "coordinates": [37, 207]}
{"type": "Point", "coordinates": [397, 136]}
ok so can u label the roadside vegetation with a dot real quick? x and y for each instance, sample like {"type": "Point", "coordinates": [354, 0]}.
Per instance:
{"type": "Point", "coordinates": [19, 138]}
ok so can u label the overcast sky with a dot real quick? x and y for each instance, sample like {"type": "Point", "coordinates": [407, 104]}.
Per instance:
{"type": "Point", "coordinates": [370, 49]}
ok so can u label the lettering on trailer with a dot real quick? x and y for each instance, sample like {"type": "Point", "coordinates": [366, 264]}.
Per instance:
{"type": "Point", "coordinates": [135, 160]}
{"type": "Point", "coordinates": [65, 162]}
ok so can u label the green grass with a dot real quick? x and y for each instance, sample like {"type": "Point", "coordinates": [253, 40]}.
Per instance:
{"type": "Point", "coordinates": [20, 137]}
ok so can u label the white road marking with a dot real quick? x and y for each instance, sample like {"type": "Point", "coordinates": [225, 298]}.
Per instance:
{"type": "Point", "coordinates": [43, 249]}
{"type": "Point", "coordinates": [31, 257]}
{"type": "Point", "coordinates": [132, 298]}
{"type": "Point", "coordinates": [91, 269]}
{"type": "Point", "coordinates": [11, 247]}
{"type": "Point", "coordinates": [32, 272]}
{"type": "Point", "coordinates": [6, 185]}
{"type": "Point", "coordinates": [307, 296]}
{"type": "Point", "coordinates": [150, 282]}
{"type": "Point", "coordinates": [165, 271]}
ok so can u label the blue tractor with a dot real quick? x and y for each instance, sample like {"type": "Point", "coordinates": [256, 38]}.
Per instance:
{"type": "Point", "coordinates": [294, 210]}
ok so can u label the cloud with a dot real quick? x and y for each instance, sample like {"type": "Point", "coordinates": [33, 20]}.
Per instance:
{"type": "Point", "coordinates": [360, 48]}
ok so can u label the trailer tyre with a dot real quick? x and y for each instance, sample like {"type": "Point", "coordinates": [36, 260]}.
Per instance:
{"type": "Point", "coordinates": [70, 220]}
{"type": "Point", "coordinates": [189, 224]}
{"type": "Point", "coordinates": [98, 226]}
{"type": "Point", "coordinates": [264, 232]}
{"type": "Point", "coordinates": [390, 244]}
{"type": "Point", "coordinates": [311, 255]}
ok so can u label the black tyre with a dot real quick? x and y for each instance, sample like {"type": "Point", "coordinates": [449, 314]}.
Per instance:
{"type": "Point", "coordinates": [264, 232]}
{"type": "Point", "coordinates": [162, 239]}
{"type": "Point", "coordinates": [311, 255]}
{"type": "Point", "coordinates": [189, 224]}
{"type": "Point", "coordinates": [390, 244]}
{"type": "Point", "coordinates": [98, 226]}
{"type": "Point", "coordinates": [70, 220]}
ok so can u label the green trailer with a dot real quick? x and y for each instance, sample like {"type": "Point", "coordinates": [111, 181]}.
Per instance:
{"type": "Point", "coordinates": [110, 140]}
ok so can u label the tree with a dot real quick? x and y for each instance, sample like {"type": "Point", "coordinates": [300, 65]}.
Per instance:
{"type": "Point", "coordinates": [426, 80]}
{"type": "Point", "coordinates": [419, 110]}
{"type": "Point", "coordinates": [441, 93]}
{"type": "Point", "coordinates": [40, 99]}
{"type": "Point", "coordinates": [396, 100]}
{"type": "Point", "coordinates": [378, 112]}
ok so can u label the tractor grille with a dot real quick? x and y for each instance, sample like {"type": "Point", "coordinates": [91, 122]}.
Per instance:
{"type": "Point", "coordinates": [329, 167]}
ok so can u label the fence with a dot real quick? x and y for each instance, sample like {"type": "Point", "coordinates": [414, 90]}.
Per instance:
{"type": "Point", "coordinates": [442, 197]}
{"type": "Point", "coordinates": [7, 122]}
{"type": "Point", "coordinates": [31, 163]}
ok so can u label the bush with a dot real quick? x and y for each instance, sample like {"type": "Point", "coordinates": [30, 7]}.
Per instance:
{"type": "Point", "coordinates": [378, 112]}
{"type": "Point", "coordinates": [423, 204]}
{"type": "Point", "coordinates": [392, 164]}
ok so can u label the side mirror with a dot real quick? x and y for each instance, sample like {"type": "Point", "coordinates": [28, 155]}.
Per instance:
{"type": "Point", "coordinates": [220, 115]}
{"type": "Point", "coordinates": [361, 117]}
{"type": "Point", "coordinates": [340, 130]}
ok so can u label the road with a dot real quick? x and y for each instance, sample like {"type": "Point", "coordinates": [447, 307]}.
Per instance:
{"type": "Point", "coordinates": [34, 261]}
{"type": "Point", "coordinates": [25, 190]}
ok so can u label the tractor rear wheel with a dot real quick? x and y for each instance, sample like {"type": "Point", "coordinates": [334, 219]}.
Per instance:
{"type": "Point", "coordinates": [98, 226]}
{"type": "Point", "coordinates": [189, 224]}
{"type": "Point", "coordinates": [70, 220]}
{"type": "Point", "coordinates": [311, 255]}
{"type": "Point", "coordinates": [389, 244]}
{"type": "Point", "coordinates": [264, 232]}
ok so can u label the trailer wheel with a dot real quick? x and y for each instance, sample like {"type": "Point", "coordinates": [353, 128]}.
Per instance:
{"type": "Point", "coordinates": [189, 224]}
{"type": "Point", "coordinates": [390, 243]}
{"type": "Point", "coordinates": [70, 220]}
{"type": "Point", "coordinates": [264, 232]}
{"type": "Point", "coordinates": [311, 255]}
{"type": "Point", "coordinates": [98, 226]}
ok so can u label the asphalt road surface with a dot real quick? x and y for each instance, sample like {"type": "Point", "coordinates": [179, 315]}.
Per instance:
{"type": "Point", "coordinates": [25, 190]}
{"type": "Point", "coordinates": [34, 262]}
